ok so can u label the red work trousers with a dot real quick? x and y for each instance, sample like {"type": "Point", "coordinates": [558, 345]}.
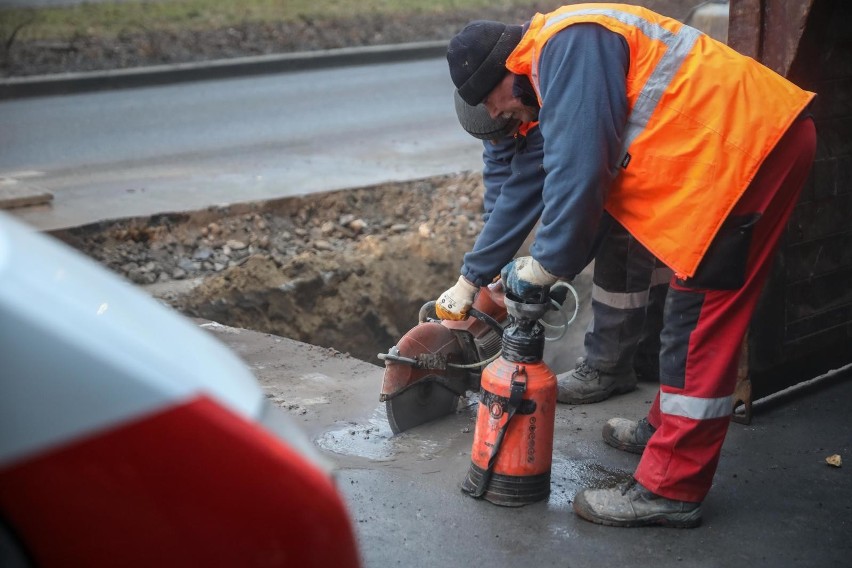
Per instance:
{"type": "Point", "coordinates": [704, 326]}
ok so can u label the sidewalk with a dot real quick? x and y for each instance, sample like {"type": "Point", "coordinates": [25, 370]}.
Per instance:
{"type": "Point", "coordinates": [775, 501]}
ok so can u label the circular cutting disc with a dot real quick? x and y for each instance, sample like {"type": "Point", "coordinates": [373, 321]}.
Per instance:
{"type": "Point", "coordinates": [421, 403]}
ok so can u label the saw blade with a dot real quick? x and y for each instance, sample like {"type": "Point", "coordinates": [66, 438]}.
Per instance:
{"type": "Point", "coordinates": [420, 404]}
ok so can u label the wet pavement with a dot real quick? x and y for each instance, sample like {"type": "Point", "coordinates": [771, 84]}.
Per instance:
{"type": "Point", "coordinates": [775, 501]}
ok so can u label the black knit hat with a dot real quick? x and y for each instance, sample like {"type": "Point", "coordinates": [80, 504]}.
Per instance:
{"type": "Point", "coordinates": [477, 57]}
{"type": "Point", "coordinates": [478, 122]}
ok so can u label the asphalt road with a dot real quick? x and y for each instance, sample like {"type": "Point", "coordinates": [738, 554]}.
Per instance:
{"type": "Point", "coordinates": [187, 146]}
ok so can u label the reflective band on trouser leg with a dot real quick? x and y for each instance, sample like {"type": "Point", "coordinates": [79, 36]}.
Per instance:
{"type": "Point", "coordinates": [681, 457]}
{"type": "Point", "coordinates": [620, 300]}
{"type": "Point", "coordinates": [695, 408]}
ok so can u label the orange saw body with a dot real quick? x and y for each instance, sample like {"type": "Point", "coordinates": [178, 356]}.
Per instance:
{"type": "Point", "coordinates": [438, 361]}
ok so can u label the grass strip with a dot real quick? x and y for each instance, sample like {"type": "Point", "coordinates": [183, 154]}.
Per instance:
{"type": "Point", "coordinates": [112, 19]}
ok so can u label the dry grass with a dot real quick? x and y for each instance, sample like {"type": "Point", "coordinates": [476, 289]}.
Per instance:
{"type": "Point", "coordinates": [110, 19]}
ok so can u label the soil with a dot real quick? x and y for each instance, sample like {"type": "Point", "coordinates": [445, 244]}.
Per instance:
{"type": "Point", "coordinates": [347, 270]}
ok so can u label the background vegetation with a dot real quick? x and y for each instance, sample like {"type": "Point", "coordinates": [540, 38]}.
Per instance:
{"type": "Point", "coordinates": [109, 19]}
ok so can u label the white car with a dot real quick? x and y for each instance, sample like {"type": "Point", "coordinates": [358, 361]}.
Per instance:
{"type": "Point", "coordinates": [130, 437]}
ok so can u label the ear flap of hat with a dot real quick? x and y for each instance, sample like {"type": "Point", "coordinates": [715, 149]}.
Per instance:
{"type": "Point", "coordinates": [477, 57]}
{"type": "Point", "coordinates": [477, 121]}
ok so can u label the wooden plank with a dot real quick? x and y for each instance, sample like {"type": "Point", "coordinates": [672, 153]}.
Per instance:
{"type": "Point", "coordinates": [787, 20]}
{"type": "Point", "coordinates": [745, 27]}
{"type": "Point", "coordinates": [13, 194]}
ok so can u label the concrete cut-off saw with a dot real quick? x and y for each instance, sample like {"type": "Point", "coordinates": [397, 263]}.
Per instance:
{"type": "Point", "coordinates": [438, 361]}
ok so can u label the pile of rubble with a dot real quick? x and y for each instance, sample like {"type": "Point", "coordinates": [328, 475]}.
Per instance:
{"type": "Point", "coordinates": [312, 268]}
{"type": "Point", "coordinates": [179, 246]}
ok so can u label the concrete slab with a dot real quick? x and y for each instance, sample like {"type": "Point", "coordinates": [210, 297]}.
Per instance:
{"type": "Point", "coordinates": [775, 501]}
{"type": "Point", "coordinates": [14, 194]}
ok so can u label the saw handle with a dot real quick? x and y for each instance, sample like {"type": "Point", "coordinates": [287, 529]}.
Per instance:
{"type": "Point", "coordinates": [427, 312]}
{"type": "Point", "coordinates": [486, 319]}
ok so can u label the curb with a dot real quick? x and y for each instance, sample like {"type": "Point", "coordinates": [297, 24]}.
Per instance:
{"type": "Point", "coordinates": [70, 83]}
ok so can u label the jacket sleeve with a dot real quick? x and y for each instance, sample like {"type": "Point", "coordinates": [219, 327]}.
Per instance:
{"type": "Point", "coordinates": [516, 208]}
{"type": "Point", "coordinates": [582, 78]}
{"type": "Point", "coordinates": [497, 168]}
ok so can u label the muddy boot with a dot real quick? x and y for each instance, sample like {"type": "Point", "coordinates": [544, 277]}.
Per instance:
{"type": "Point", "coordinates": [628, 435]}
{"type": "Point", "coordinates": [586, 384]}
{"type": "Point", "coordinates": [634, 506]}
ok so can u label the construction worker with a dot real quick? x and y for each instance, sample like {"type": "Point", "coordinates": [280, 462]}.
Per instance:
{"type": "Point", "coordinates": [700, 153]}
{"type": "Point", "coordinates": [629, 284]}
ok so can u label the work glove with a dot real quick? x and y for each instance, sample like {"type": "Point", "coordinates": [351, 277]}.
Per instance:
{"type": "Point", "coordinates": [526, 279]}
{"type": "Point", "coordinates": [455, 302]}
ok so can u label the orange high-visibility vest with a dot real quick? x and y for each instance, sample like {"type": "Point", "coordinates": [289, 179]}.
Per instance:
{"type": "Point", "coordinates": [526, 127]}
{"type": "Point", "coordinates": [702, 120]}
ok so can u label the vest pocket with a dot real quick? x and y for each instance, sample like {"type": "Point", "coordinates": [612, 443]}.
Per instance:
{"type": "Point", "coordinates": [724, 264]}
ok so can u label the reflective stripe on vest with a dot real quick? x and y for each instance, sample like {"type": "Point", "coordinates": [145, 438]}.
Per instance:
{"type": "Point", "coordinates": [696, 408]}
{"type": "Point", "coordinates": [525, 127]}
{"type": "Point", "coordinates": [702, 119]}
{"type": "Point", "coordinates": [631, 300]}
{"type": "Point", "coordinates": [679, 46]}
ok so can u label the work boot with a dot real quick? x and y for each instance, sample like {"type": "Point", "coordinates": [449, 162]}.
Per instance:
{"type": "Point", "coordinates": [628, 435]}
{"type": "Point", "coordinates": [586, 384]}
{"type": "Point", "coordinates": [632, 505]}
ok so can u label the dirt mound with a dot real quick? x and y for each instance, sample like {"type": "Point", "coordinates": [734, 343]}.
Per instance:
{"type": "Point", "coordinates": [347, 269]}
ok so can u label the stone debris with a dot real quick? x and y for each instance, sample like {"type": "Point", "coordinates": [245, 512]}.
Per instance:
{"type": "Point", "coordinates": [347, 269]}
{"type": "Point", "coordinates": [179, 246]}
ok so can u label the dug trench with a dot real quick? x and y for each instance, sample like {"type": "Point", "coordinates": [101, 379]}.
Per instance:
{"type": "Point", "coordinates": [347, 270]}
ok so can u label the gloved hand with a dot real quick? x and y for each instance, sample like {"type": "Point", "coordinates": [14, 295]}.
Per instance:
{"type": "Point", "coordinates": [526, 279]}
{"type": "Point", "coordinates": [455, 302]}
